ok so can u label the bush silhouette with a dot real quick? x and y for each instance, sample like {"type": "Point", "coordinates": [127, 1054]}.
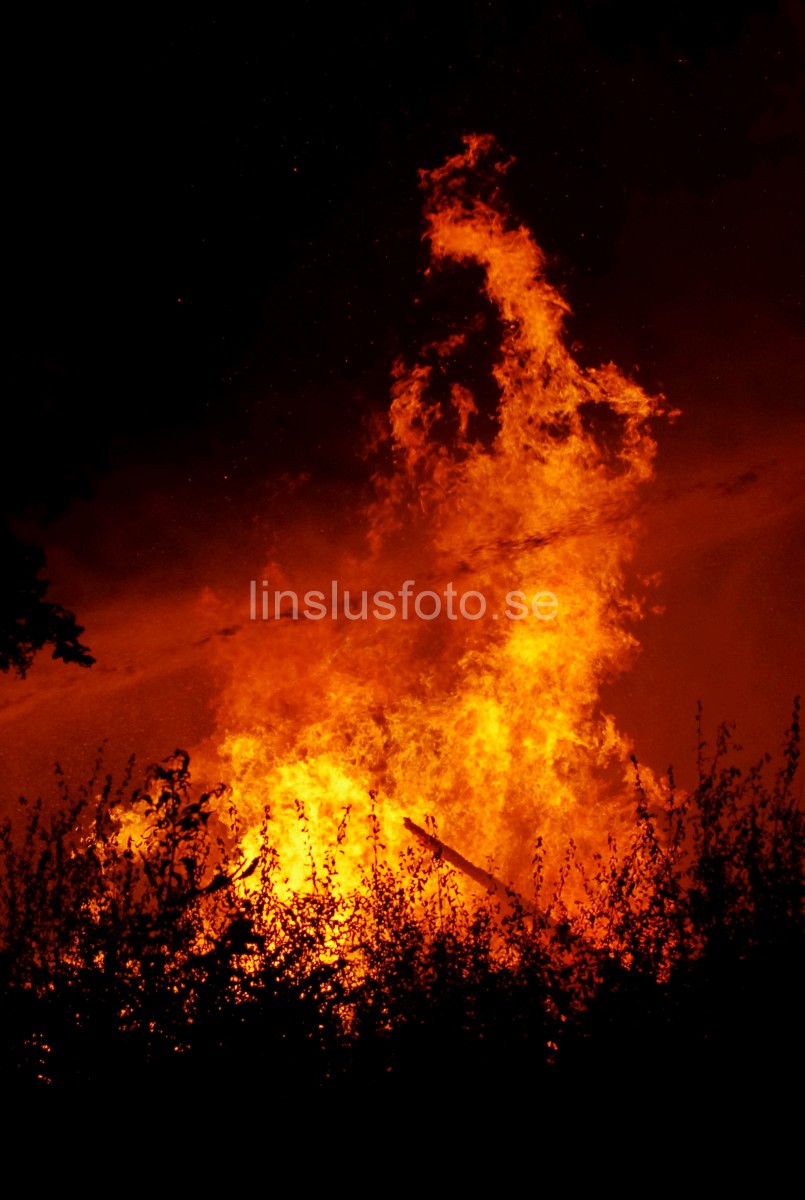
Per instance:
{"type": "Point", "coordinates": [140, 949]}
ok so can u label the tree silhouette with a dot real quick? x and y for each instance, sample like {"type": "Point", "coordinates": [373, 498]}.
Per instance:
{"type": "Point", "coordinates": [28, 621]}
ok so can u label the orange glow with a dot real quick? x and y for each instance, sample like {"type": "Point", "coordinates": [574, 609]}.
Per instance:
{"type": "Point", "coordinates": [490, 726]}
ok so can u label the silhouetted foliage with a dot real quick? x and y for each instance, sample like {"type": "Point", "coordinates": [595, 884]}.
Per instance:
{"type": "Point", "coordinates": [28, 621]}
{"type": "Point", "coordinates": [139, 948]}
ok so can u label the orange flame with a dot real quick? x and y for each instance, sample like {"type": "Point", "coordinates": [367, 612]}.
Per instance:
{"type": "Point", "coordinates": [491, 724]}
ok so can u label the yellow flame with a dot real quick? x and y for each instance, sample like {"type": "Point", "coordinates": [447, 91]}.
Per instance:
{"type": "Point", "coordinates": [492, 726]}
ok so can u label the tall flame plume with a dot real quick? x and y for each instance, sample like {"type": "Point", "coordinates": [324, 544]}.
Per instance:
{"type": "Point", "coordinates": [488, 726]}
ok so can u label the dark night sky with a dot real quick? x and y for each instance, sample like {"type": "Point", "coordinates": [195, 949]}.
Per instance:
{"type": "Point", "coordinates": [214, 245]}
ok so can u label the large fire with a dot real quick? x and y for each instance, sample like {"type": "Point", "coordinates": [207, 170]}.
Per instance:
{"type": "Point", "coordinates": [486, 725]}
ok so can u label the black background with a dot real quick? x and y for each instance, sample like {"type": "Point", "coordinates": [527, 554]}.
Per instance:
{"type": "Point", "coordinates": [214, 224]}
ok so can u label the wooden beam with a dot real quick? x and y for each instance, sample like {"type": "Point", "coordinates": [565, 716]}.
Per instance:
{"type": "Point", "coordinates": [442, 850]}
